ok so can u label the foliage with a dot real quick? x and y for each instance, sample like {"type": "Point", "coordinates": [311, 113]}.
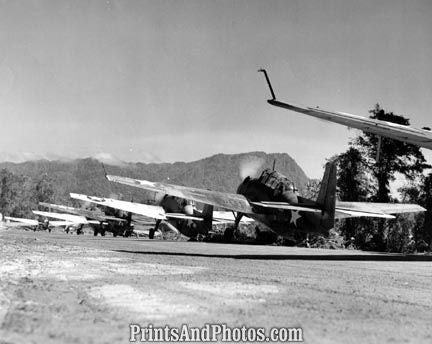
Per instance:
{"type": "Point", "coordinates": [394, 156]}
{"type": "Point", "coordinates": [371, 161]}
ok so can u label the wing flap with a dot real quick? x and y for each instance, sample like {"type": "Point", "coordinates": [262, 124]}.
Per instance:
{"type": "Point", "coordinates": [183, 216]}
{"type": "Point", "coordinates": [286, 206]}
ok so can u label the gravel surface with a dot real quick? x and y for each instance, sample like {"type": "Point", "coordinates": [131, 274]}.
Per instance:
{"type": "Point", "coordinates": [58, 288]}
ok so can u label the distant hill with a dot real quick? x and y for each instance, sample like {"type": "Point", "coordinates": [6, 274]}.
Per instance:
{"type": "Point", "coordinates": [221, 172]}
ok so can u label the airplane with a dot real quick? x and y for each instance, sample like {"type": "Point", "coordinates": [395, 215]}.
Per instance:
{"type": "Point", "coordinates": [420, 137]}
{"type": "Point", "coordinates": [96, 219]}
{"type": "Point", "coordinates": [271, 199]}
{"type": "Point", "coordinates": [10, 221]}
{"type": "Point", "coordinates": [179, 215]}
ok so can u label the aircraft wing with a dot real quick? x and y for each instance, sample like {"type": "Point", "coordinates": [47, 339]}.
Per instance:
{"type": "Point", "coordinates": [420, 137]}
{"type": "Point", "coordinates": [60, 223]}
{"type": "Point", "coordinates": [153, 211]}
{"type": "Point", "coordinates": [228, 217]}
{"type": "Point", "coordinates": [28, 222]}
{"type": "Point", "coordinates": [384, 210]}
{"type": "Point", "coordinates": [75, 219]}
{"type": "Point", "coordinates": [223, 200]}
{"type": "Point", "coordinates": [98, 216]}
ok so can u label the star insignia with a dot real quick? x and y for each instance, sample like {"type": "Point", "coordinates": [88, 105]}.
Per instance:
{"type": "Point", "coordinates": [294, 217]}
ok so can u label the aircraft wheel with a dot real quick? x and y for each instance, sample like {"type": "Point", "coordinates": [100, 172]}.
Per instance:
{"type": "Point", "coordinates": [115, 234]}
{"type": "Point", "coordinates": [103, 233]}
{"type": "Point", "coordinates": [151, 233]}
{"type": "Point", "coordinates": [229, 234]}
{"type": "Point", "coordinates": [95, 232]}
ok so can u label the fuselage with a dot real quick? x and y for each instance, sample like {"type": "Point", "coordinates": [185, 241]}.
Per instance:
{"type": "Point", "coordinates": [272, 186]}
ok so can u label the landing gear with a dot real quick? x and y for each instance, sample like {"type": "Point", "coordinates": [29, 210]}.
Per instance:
{"type": "Point", "coordinates": [229, 232]}
{"type": "Point", "coordinates": [152, 231]}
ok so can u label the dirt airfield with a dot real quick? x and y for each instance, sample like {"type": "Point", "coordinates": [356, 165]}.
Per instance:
{"type": "Point", "coordinates": [58, 288]}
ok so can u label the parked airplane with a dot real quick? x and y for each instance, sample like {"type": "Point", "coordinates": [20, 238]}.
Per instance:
{"type": "Point", "coordinates": [179, 215]}
{"type": "Point", "coordinates": [271, 199]}
{"type": "Point", "coordinates": [10, 221]}
{"type": "Point", "coordinates": [100, 222]}
{"type": "Point", "coordinates": [421, 137]}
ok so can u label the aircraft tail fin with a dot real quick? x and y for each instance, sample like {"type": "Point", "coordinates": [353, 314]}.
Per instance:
{"type": "Point", "coordinates": [207, 214]}
{"type": "Point", "coordinates": [327, 195]}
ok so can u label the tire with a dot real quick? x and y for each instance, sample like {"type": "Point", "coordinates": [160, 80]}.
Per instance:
{"type": "Point", "coordinates": [151, 233]}
{"type": "Point", "coordinates": [229, 234]}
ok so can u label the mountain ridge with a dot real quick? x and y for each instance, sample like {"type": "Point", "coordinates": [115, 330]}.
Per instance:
{"type": "Point", "coordinates": [219, 172]}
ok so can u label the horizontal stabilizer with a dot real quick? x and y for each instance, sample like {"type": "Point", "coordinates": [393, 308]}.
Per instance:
{"type": "Point", "coordinates": [342, 214]}
{"type": "Point", "coordinates": [383, 210]}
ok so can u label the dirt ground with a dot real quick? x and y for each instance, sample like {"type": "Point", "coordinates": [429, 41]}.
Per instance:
{"type": "Point", "coordinates": [58, 288]}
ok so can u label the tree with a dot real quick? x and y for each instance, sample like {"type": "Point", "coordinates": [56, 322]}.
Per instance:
{"type": "Point", "coordinates": [351, 176]}
{"type": "Point", "coordinates": [43, 190]}
{"type": "Point", "coordinates": [7, 191]}
{"type": "Point", "coordinates": [394, 156]}
{"type": "Point", "coordinates": [352, 186]}
{"type": "Point", "coordinates": [426, 201]}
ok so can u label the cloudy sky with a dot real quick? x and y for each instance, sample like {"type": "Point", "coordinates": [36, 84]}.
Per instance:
{"type": "Point", "coordinates": [177, 81]}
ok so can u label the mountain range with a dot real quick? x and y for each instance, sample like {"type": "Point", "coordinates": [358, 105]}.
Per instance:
{"type": "Point", "coordinates": [221, 172]}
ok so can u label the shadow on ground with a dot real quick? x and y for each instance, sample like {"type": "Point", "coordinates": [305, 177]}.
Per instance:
{"type": "Point", "coordinates": [313, 256]}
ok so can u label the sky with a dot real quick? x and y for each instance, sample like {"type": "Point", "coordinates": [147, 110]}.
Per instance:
{"type": "Point", "coordinates": [169, 81]}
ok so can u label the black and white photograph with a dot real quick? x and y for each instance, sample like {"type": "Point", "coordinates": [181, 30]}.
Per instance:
{"type": "Point", "coordinates": [215, 171]}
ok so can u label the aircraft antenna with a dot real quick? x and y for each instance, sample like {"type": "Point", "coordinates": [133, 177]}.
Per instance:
{"type": "Point", "coordinates": [268, 83]}
{"type": "Point", "coordinates": [105, 172]}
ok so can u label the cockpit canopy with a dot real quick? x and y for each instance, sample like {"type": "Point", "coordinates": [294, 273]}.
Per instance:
{"type": "Point", "coordinates": [276, 181]}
